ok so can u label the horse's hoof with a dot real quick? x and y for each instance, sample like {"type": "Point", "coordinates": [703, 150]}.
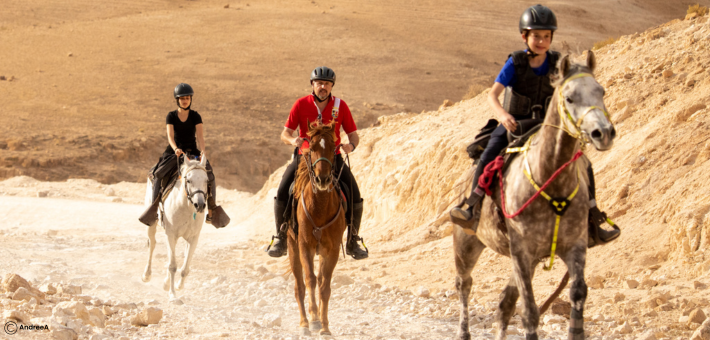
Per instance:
{"type": "Point", "coordinates": [180, 285]}
{"type": "Point", "coordinates": [463, 336]}
{"type": "Point", "coordinates": [315, 325]}
{"type": "Point", "coordinates": [324, 332]}
{"type": "Point", "coordinates": [166, 285]}
{"type": "Point", "coordinates": [146, 278]}
{"type": "Point", "coordinates": [305, 331]}
{"type": "Point", "coordinates": [176, 301]}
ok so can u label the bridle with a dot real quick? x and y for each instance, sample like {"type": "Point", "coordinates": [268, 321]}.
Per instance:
{"type": "Point", "coordinates": [566, 118]}
{"type": "Point", "coordinates": [311, 166]}
{"type": "Point", "coordinates": [183, 177]}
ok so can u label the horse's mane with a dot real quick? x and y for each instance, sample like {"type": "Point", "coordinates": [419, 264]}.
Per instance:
{"type": "Point", "coordinates": [316, 132]}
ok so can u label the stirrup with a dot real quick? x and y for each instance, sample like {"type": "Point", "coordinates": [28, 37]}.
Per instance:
{"type": "Point", "coordinates": [594, 238]}
{"type": "Point", "coordinates": [282, 248]}
{"type": "Point", "coordinates": [469, 226]}
{"type": "Point", "coordinates": [353, 240]}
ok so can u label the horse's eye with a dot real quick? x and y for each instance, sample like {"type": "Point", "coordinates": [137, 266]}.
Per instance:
{"type": "Point", "coordinates": [569, 100]}
{"type": "Point", "coordinates": [189, 181]}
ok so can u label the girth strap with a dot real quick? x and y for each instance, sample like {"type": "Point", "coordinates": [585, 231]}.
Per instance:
{"type": "Point", "coordinates": [318, 231]}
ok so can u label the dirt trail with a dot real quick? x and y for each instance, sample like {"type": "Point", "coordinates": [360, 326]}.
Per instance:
{"type": "Point", "coordinates": [231, 292]}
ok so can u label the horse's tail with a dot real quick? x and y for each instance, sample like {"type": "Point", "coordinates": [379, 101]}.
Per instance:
{"type": "Point", "coordinates": [555, 294]}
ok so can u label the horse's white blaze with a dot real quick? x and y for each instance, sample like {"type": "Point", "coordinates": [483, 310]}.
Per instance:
{"type": "Point", "coordinates": [322, 144]}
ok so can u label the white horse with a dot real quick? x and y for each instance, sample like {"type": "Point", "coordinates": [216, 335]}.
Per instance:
{"type": "Point", "coordinates": [182, 215]}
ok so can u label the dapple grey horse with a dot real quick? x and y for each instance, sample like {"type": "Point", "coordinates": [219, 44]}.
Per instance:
{"type": "Point", "coordinates": [576, 115]}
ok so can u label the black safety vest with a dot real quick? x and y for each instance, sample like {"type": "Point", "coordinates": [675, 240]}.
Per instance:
{"type": "Point", "coordinates": [538, 88]}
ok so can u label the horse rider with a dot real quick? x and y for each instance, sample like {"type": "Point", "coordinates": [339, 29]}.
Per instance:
{"type": "Point", "coordinates": [528, 74]}
{"type": "Point", "coordinates": [185, 136]}
{"type": "Point", "coordinates": [306, 110]}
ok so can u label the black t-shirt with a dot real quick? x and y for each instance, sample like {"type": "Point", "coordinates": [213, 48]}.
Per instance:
{"type": "Point", "coordinates": [184, 131]}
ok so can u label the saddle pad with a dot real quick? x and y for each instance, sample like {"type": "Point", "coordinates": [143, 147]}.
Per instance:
{"type": "Point", "coordinates": [167, 187]}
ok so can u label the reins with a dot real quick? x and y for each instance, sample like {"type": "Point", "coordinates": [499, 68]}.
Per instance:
{"type": "Point", "coordinates": [318, 231]}
{"type": "Point", "coordinates": [182, 177]}
{"type": "Point", "coordinates": [558, 205]}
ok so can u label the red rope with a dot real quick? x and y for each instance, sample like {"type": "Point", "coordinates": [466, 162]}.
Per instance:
{"type": "Point", "coordinates": [554, 175]}
{"type": "Point", "coordinates": [489, 172]}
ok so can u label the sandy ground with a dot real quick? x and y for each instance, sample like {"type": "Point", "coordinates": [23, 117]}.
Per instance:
{"type": "Point", "coordinates": [84, 231]}
{"type": "Point", "coordinates": [91, 82]}
{"type": "Point", "coordinates": [232, 287]}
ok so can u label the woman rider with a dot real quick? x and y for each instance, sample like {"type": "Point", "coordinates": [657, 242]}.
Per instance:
{"type": "Point", "coordinates": [185, 136]}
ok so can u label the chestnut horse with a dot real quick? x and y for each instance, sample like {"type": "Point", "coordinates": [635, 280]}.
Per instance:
{"type": "Point", "coordinates": [321, 223]}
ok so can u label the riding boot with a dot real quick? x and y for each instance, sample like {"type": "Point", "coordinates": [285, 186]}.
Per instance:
{"type": "Point", "coordinates": [597, 234]}
{"type": "Point", "coordinates": [150, 215]}
{"type": "Point", "coordinates": [216, 216]}
{"type": "Point", "coordinates": [352, 247]}
{"type": "Point", "coordinates": [468, 218]}
{"type": "Point", "coordinates": [278, 246]}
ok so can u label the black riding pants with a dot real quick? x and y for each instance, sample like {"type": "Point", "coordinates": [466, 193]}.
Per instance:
{"type": "Point", "coordinates": [498, 142]}
{"type": "Point", "coordinates": [345, 178]}
{"type": "Point", "coordinates": [167, 165]}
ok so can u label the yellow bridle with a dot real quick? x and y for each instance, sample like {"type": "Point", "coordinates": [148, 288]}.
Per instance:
{"type": "Point", "coordinates": [566, 117]}
{"type": "Point", "coordinates": [559, 205]}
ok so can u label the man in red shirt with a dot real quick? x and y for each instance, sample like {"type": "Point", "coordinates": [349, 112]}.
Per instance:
{"type": "Point", "coordinates": [320, 104]}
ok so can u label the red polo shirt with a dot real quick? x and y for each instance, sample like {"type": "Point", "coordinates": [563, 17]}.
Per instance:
{"type": "Point", "coordinates": [305, 111]}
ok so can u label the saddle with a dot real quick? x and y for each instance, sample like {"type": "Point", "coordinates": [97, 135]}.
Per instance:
{"type": "Point", "coordinates": [168, 181]}
{"type": "Point", "coordinates": [516, 140]}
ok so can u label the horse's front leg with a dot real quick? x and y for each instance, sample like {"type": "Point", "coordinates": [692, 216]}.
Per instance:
{"type": "Point", "coordinates": [169, 283]}
{"type": "Point", "coordinates": [307, 254]}
{"type": "Point", "coordinates": [325, 274]}
{"type": "Point", "coordinates": [575, 261]}
{"type": "Point", "coordinates": [190, 246]}
{"type": "Point", "coordinates": [506, 307]}
{"type": "Point", "coordinates": [299, 286]}
{"type": "Point", "coordinates": [523, 271]}
{"type": "Point", "coordinates": [467, 250]}
{"type": "Point", "coordinates": [151, 245]}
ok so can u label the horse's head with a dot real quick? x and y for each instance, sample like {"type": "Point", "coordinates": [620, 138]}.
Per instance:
{"type": "Point", "coordinates": [321, 153]}
{"type": "Point", "coordinates": [194, 180]}
{"type": "Point", "coordinates": [581, 103]}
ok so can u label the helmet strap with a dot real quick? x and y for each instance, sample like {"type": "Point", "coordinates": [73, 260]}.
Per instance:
{"type": "Point", "coordinates": [530, 51]}
{"type": "Point", "coordinates": [177, 100]}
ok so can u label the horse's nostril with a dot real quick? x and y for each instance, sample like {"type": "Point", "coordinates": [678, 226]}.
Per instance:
{"type": "Point", "coordinates": [596, 134]}
{"type": "Point", "coordinates": [612, 133]}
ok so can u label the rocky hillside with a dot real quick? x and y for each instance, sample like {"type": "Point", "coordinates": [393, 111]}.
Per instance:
{"type": "Point", "coordinates": [653, 182]}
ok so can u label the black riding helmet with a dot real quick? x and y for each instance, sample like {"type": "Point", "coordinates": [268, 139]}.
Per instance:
{"type": "Point", "coordinates": [183, 90]}
{"type": "Point", "coordinates": [323, 73]}
{"type": "Point", "coordinates": [538, 17]}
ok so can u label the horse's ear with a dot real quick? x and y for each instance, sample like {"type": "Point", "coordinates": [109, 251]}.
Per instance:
{"type": "Point", "coordinates": [591, 60]}
{"type": "Point", "coordinates": [203, 160]}
{"type": "Point", "coordinates": [563, 66]}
